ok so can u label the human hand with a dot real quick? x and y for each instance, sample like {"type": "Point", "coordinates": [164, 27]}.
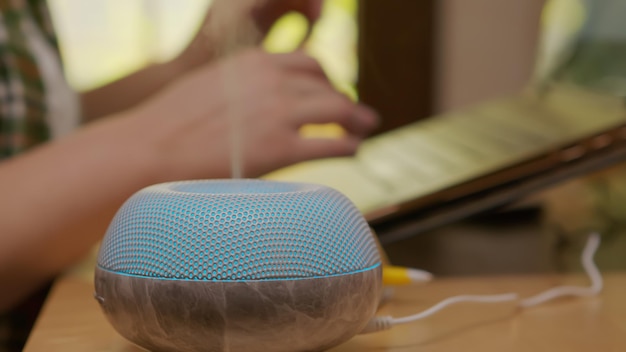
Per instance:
{"type": "Point", "coordinates": [268, 98]}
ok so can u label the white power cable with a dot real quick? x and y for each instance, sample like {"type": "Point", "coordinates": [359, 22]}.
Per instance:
{"type": "Point", "coordinates": [452, 300]}
{"type": "Point", "coordinates": [590, 268]}
{"type": "Point", "coordinates": [387, 322]}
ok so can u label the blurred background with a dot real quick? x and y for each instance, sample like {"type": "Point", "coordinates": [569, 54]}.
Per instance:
{"type": "Point", "coordinates": [413, 59]}
{"type": "Point", "coordinates": [106, 39]}
{"type": "Point", "coordinates": [410, 60]}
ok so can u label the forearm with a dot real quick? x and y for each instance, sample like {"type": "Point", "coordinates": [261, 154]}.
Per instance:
{"type": "Point", "coordinates": [130, 90]}
{"type": "Point", "coordinates": [52, 216]}
{"type": "Point", "coordinates": [135, 88]}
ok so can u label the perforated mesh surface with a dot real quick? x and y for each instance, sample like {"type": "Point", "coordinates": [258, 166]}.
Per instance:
{"type": "Point", "coordinates": [237, 230]}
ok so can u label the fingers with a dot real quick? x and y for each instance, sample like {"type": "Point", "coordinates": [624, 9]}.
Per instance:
{"type": "Point", "coordinates": [305, 85]}
{"type": "Point", "coordinates": [366, 117]}
{"type": "Point", "coordinates": [294, 93]}
{"type": "Point", "coordinates": [319, 102]}
{"type": "Point", "coordinates": [299, 62]}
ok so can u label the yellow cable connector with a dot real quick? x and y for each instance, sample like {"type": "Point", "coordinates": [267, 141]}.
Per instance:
{"type": "Point", "coordinates": [401, 276]}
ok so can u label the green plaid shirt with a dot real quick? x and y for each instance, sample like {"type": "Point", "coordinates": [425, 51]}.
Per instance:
{"type": "Point", "coordinates": [22, 125]}
{"type": "Point", "coordinates": [22, 103]}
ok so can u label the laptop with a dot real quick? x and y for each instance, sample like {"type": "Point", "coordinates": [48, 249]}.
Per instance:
{"type": "Point", "coordinates": [569, 122]}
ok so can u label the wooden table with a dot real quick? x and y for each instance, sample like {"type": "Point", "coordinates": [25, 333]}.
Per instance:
{"type": "Point", "coordinates": [71, 321]}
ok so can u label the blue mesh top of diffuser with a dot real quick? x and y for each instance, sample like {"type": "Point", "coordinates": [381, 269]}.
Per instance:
{"type": "Point", "coordinates": [238, 230]}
